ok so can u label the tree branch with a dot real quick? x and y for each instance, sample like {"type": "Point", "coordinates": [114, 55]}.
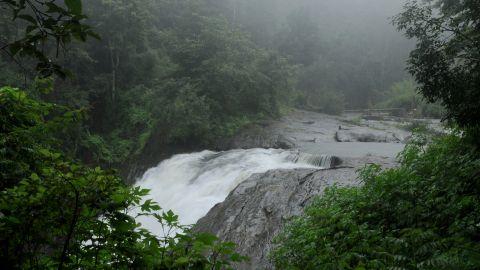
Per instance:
{"type": "Point", "coordinates": [73, 223]}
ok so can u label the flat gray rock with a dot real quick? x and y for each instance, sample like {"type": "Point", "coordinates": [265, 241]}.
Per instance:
{"type": "Point", "coordinates": [366, 136]}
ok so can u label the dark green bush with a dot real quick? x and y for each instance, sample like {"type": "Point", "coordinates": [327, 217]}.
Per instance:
{"type": "Point", "coordinates": [445, 61]}
{"type": "Point", "coordinates": [422, 215]}
{"type": "Point", "coordinates": [57, 213]}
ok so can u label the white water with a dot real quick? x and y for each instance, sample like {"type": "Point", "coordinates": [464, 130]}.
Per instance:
{"type": "Point", "coordinates": [191, 184]}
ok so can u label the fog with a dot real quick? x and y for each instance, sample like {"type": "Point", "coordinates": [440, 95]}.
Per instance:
{"type": "Point", "coordinates": [342, 17]}
{"type": "Point", "coordinates": [348, 46]}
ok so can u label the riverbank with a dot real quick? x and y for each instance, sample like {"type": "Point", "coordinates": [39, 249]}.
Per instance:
{"type": "Point", "coordinates": [316, 133]}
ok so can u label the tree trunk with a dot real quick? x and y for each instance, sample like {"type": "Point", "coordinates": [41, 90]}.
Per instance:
{"type": "Point", "coordinates": [114, 63]}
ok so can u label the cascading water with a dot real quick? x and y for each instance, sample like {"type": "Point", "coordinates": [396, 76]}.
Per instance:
{"type": "Point", "coordinates": [322, 161]}
{"type": "Point", "coordinates": [191, 184]}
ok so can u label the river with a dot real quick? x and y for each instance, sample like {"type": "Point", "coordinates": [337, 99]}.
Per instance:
{"type": "Point", "coordinates": [191, 184]}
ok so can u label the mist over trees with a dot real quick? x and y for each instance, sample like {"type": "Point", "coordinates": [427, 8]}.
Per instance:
{"type": "Point", "coordinates": [189, 72]}
{"type": "Point", "coordinates": [348, 50]}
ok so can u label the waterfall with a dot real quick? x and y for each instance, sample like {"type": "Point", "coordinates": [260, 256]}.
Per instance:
{"type": "Point", "coordinates": [191, 184]}
{"type": "Point", "coordinates": [321, 161]}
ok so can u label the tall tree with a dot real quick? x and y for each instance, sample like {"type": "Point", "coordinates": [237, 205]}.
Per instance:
{"type": "Point", "coordinates": [446, 61]}
{"type": "Point", "coordinates": [301, 38]}
{"type": "Point", "coordinates": [47, 27]}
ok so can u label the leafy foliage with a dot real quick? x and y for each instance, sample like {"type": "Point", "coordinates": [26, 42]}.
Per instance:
{"type": "Point", "coordinates": [422, 215]}
{"type": "Point", "coordinates": [176, 75]}
{"type": "Point", "coordinates": [446, 60]}
{"type": "Point", "coordinates": [403, 95]}
{"type": "Point", "coordinates": [321, 100]}
{"type": "Point", "coordinates": [48, 26]}
{"type": "Point", "coordinates": [56, 213]}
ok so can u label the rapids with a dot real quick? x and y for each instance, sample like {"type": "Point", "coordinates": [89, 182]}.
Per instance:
{"type": "Point", "coordinates": [191, 184]}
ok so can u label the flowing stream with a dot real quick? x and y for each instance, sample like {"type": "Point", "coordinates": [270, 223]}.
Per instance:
{"type": "Point", "coordinates": [191, 184]}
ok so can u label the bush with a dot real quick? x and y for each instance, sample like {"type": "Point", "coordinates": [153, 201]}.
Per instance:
{"type": "Point", "coordinates": [445, 59]}
{"type": "Point", "coordinates": [404, 95]}
{"type": "Point", "coordinates": [56, 213]}
{"type": "Point", "coordinates": [422, 215]}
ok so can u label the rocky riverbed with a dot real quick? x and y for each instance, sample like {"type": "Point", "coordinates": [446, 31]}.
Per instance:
{"type": "Point", "coordinates": [315, 133]}
{"type": "Point", "coordinates": [257, 209]}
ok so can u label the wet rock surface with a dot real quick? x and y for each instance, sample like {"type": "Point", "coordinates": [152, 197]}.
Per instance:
{"type": "Point", "coordinates": [317, 133]}
{"type": "Point", "coordinates": [258, 137]}
{"type": "Point", "coordinates": [258, 208]}
{"type": "Point", "coordinates": [366, 136]}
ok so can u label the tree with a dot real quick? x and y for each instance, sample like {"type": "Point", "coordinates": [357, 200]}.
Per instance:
{"type": "Point", "coordinates": [57, 213]}
{"type": "Point", "coordinates": [300, 39]}
{"type": "Point", "coordinates": [446, 60]}
{"type": "Point", "coordinates": [46, 26]}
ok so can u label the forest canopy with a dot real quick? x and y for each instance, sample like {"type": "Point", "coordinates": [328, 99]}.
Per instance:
{"type": "Point", "coordinates": [185, 73]}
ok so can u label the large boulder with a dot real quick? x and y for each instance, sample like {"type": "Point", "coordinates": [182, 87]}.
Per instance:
{"type": "Point", "coordinates": [254, 212]}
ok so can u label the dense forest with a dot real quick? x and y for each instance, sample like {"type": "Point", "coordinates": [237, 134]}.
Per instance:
{"type": "Point", "coordinates": [91, 84]}
{"type": "Point", "coordinates": [185, 73]}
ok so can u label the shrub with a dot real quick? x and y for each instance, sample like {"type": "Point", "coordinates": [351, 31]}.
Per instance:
{"type": "Point", "coordinates": [404, 95]}
{"type": "Point", "coordinates": [445, 59]}
{"type": "Point", "coordinates": [56, 213]}
{"type": "Point", "coordinates": [422, 215]}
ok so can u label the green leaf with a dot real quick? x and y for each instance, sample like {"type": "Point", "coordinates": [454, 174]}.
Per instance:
{"type": "Point", "coordinates": [74, 6]}
{"type": "Point", "coordinates": [206, 238]}
{"type": "Point", "coordinates": [27, 18]}
{"type": "Point", "coordinates": [31, 28]}
{"type": "Point", "coordinates": [53, 8]}
{"type": "Point", "coordinates": [94, 35]}
{"type": "Point", "coordinates": [15, 48]}
{"type": "Point", "coordinates": [181, 260]}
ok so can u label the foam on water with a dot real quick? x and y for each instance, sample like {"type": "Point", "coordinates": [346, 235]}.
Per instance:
{"type": "Point", "coordinates": [191, 184]}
